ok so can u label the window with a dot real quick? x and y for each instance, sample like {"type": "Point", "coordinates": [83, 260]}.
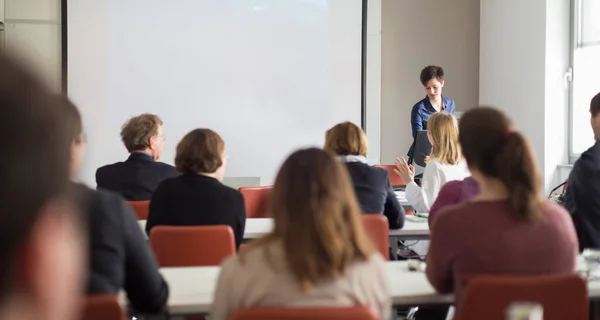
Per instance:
{"type": "Point", "coordinates": [586, 72]}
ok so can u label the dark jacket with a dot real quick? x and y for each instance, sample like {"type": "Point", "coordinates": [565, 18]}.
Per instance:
{"type": "Point", "coordinates": [196, 200]}
{"type": "Point", "coordinates": [375, 193]}
{"type": "Point", "coordinates": [119, 255]}
{"type": "Point", "coordinates": [582, 197]}
{"type": "Point", "coordinates": [136, 178]}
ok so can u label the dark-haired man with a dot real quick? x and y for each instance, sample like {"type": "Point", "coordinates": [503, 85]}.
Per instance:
{"type": "Point", "coordinates": [582, 197]}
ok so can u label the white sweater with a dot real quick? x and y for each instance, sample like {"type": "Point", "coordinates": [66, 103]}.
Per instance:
{"type": "Point", "coordinates": [435, 176]}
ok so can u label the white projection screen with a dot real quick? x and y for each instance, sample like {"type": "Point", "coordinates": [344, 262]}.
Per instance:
{"type": "Point", "coordinates": [269, 76]}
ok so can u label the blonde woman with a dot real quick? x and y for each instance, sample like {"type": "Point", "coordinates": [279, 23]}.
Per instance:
{"type": "Point", "coordinates": [317, 254]}
{"type": "Point", "coordinates": [445, 163]}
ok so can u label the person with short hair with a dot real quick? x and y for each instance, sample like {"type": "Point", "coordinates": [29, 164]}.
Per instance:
{"type": "Point", "coordinates": [42, 242]}
{"type": "Point", "coordinates": [197, 197]}
{"type": "Point", "coordinates": [137, 177]}
{"type": "Point", "coordinates": [582, 196]}
{"type": "Point", "coordinates": [318, 253]}
{"type": "Point", "coordinates": [508, 228]}
{"type": "Point", "coordinates": [119, 255]}
{"type": "Point", "coordinates": [372, 185]}
{"type": "Point", "coordinates": [432, 79]}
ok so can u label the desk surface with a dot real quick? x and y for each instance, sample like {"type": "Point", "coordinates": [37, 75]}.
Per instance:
{"type": "Point", "coordinates": [192, 289]}
{"type": "Point", "coordinates": [255, 228]}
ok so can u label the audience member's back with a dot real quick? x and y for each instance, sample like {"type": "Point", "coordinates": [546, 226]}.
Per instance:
{"type": "Point", "coordinates": [197, 197]}
{"type": "Point", "coordinates": [372, 185]}
{"type": "Point", "coordinates": [119, 255]}
{"type": "Point", "coordinates": [507, 228]}
{"type": "Point", "coordinates": [138, 177]}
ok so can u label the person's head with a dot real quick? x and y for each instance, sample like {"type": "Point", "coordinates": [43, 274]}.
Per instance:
{"type": "Point", "coordinates": [432, 78]}
{"type": "Point", "coordinates": [495, 152]}
{"type": "Point", "coordinates": [201, 151]}
{"type": "Point", "coordinates": [144, 134]}
{"type": "Point", "coordinates": [595, 119]}
{"type": "Point", "coordinates": [75, 131]}
{"type": "Point", "coordinates": [346, 139]}
{"type": "Point", "coordinates": [316, 216]}
{"type": "Point", "coordinates": [442, 131]}
{"type": "Point", "coordinates": [41, 248]}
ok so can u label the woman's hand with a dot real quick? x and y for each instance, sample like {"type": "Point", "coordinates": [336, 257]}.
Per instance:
{"type": "Point", "coordinates": [404, 170]}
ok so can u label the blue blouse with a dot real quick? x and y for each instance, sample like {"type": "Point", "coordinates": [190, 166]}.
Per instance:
{"type": "Point", "coordinates": [421, 112]}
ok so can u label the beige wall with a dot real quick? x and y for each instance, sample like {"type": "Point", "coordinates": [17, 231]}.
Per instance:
{"type": "Point", "coordinates": [416, 33]}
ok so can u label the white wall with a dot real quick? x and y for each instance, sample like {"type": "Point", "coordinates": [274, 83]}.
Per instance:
{"type": "Point", "coordinates": [524, 54]}
{"type": "Point", "coordinates": [416, 34]}
{"type": "Point", "coordinates": [33, 29]}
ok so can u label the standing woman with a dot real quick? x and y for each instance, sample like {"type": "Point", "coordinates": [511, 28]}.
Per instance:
{"type": "Point", "coordinates": [432, 78]}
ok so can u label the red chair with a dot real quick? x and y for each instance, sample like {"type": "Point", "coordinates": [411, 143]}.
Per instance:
{"type": "Point", "coordinates": [377, 228]}
{"type": "Point", "coordinates": [256, 201]}
{"type": "Point", "coordinates": [563, 296]}
{"type": "Point", "coordinates": [140, 208]}
{"type": "Point", "coordinates": [394, 178]}
{"type": "Point", "coordinates": [191, 246]}
{"type": "Point", "coordinates": [102, 307]}
{"type": "Point", "coordinates": [320, 313]}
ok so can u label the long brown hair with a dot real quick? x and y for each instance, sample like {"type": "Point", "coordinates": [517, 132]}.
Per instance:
{"type": "Point", "coordinates": [443, 129]}
{"type": "Point", "coordinates": [491, 146]}
{"type": "Point", "coordinates": [316, 216]}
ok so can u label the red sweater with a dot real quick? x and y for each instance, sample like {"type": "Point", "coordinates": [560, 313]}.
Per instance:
{"type": "Point", "coordinates": [482, 238]}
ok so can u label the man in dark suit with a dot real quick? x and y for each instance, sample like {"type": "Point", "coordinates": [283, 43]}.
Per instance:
{"type": "Point", "coordinates": [582, 197]}
{"type": "Point", "coordinates": [119, 255]}
{"type": "Point", "coordinates": [140, 174]}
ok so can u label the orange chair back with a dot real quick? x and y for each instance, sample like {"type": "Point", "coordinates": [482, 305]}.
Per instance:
{"type": "Point", "coordinates": [377, 228]}
{"type": "Point", "coordinates": [191, 246]}
{"type": "Point", "coordinates": [394, 178]}
{"type": "Point", "coordinates": [346, 313]}
{"type": "Point", "coordinates": [102, 307]}
{"type": "Point", "coordinates": [256, 200]}
{"type": "Point", "coordinates": [562, 296]}
{"type": "Point", "coordinates": [140, 208]}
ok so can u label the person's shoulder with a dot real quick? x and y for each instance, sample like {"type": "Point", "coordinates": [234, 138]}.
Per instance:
{"type": "Point", "coordinates": [419, 105]}
{"type": "Point", "coordinates": [554, 210]}
{"type": "Point", "coordinates": [455, 214]}
{"type": "Point", "coordinates": [109, 167]}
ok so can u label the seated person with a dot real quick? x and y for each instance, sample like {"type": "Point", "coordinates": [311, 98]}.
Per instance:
{"type": "Point", "coordinates": [372, 185]}
{"type": "Point", "coordinates": [317, 254]}
{"type": "Point", "coordinates": [432, 79]}
{"type": "Point", "coordinates": [508, 228]}
{"type": "Point", "coordinates": [197, 197]}
{"type": "Point", "coordinates": [453, 192]}
{"type": "Point", "coordinates": [119, 256]}
{"type": "Point", "coordinates": [582, 197]}
{"type": "Point", "coordinates": [138, 177]}
{"type": "Point", "coordinates": [443, 164]}
{"type": "Point", "coordinates": [42, 252]}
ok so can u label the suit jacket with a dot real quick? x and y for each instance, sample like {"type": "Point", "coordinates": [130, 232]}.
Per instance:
{"type": "Point", "coordinates": [197, 200]}
{"type": "Point", "coordinates": [136, 178]}
{"type": "Point", "coordinates": [582, 197]}
{"type": "Point", "coordinates": [119, 255]}
{"type": "Point", "coordinates": [375, 193]}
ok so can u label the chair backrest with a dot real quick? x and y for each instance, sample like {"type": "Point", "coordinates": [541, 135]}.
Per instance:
{"type": "Point", "coordinates": [394, 178]}
{"type": "Point", "coordinates": [256, 201]}
{"type": "Point", "coordinates": [562, 296]}
{"type": "Point", "coordinates": [377, 228]}
{"type": "Point", "coordinates": [140, 208]}
{"type": "Point", "coordinates": [102, 307]}
{"type": "Point", "coordinates": [191, 246]}
{"type": "Point", "coordinates": [320, 313]}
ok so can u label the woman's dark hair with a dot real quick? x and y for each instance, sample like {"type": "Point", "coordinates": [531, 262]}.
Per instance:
{"type": "Point", "coordinates": [431, 72]}
{"type": "Point", "coordinates": [491, 146]}
{"type": "Point", "coordinates": [200, 151]}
